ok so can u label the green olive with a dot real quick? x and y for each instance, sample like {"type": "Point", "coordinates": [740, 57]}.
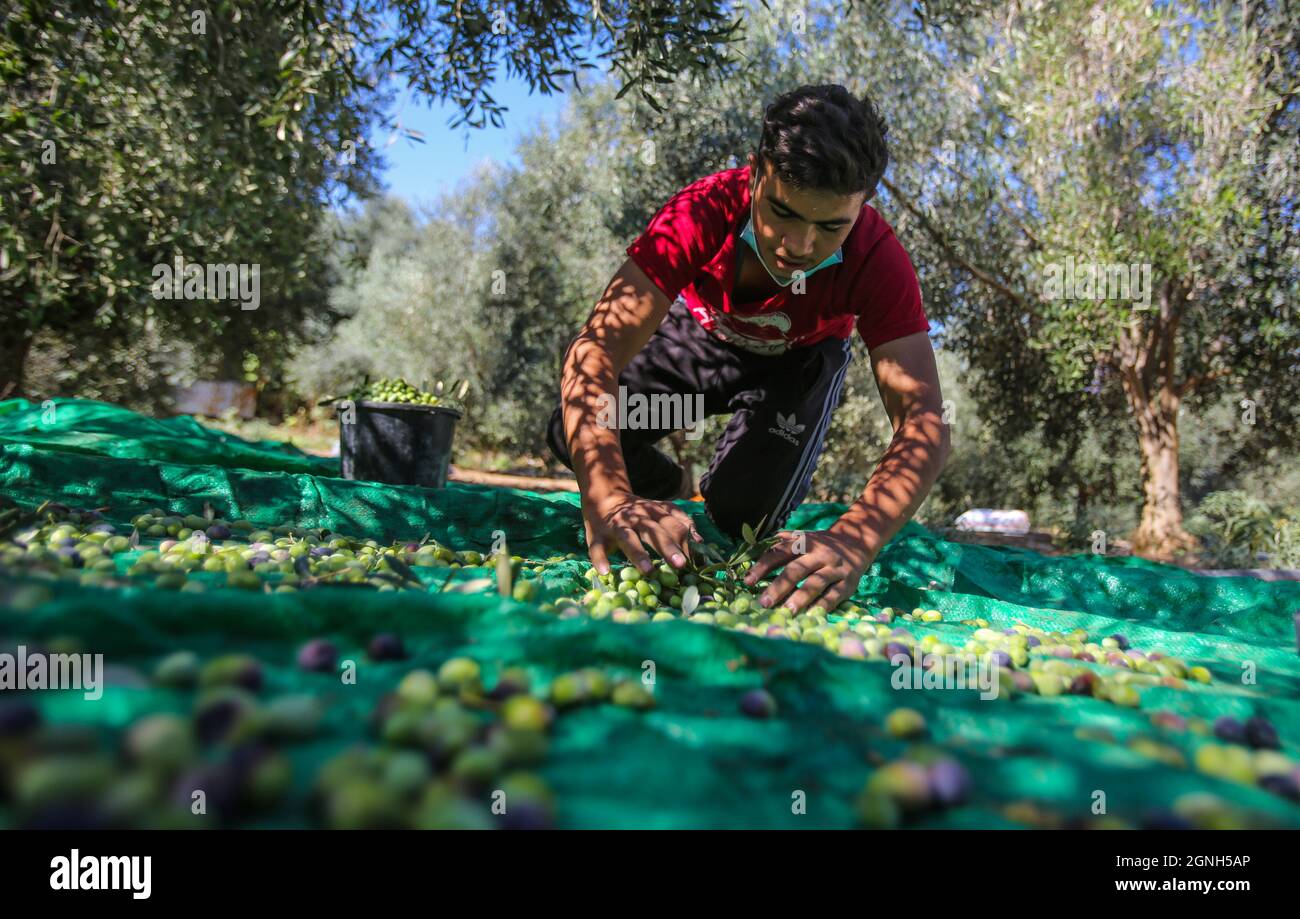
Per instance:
{"type": "Point", "coordinates": [629, 694]}
{"type": "Point", "coordinates": [459, 672]}
{"type": "Point", "coordinates": [523, 712]}
{"type": "Point", "coordinates": [905, 722]}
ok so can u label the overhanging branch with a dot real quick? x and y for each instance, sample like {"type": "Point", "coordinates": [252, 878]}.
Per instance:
{"type": "Point", "coordinates": [950, 251]}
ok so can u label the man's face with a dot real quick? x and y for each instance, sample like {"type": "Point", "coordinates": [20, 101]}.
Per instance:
{"type": "Point", "coordinates": [797, 229]}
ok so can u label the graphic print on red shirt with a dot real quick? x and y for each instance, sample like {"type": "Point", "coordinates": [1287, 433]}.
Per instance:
{"type": "Point", "coordinates": [689, 249]}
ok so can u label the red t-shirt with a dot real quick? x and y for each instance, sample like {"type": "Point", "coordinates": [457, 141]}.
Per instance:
{"type": "Point", "coordinates": [689, 248]}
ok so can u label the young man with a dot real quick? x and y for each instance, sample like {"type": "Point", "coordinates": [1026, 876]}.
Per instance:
{"type": "Point", "coordinates": [745, 290]}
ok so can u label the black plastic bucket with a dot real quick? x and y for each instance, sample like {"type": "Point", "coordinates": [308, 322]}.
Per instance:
{"type": "Point", "coordinates": [397, 443]}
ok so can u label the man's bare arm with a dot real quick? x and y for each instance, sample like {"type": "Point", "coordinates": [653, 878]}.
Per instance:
{"type": "Point", "coordinates": [630, 311]}
{"type": "Point", "coordinates": [619, 326]}
{"type": "Point", "coordinates": [826, 566]}
{"type": "Point", "coordinates": [908, 380]}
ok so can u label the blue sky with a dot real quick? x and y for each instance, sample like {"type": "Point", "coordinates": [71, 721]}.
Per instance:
{"type": "Point", "coordinates": [419, 172]}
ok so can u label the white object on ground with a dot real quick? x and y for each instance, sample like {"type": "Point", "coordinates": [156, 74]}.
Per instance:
{"type": "Point", "coordinates": [987, 520]}
{"type": "Point", "coordinates": [213, 398]}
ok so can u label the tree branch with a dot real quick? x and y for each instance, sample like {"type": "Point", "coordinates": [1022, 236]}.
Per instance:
{"type": "Point", "coordinates": [949, 250]}
{"type": "Point", "coordinates": [1196, 381]}
{"type": "Point", "coordinates": [1000, 203]}
{"type": "Point", "coordinates": [1133, 359]}
{"type": "Point", "coordinates": [1270, 123]}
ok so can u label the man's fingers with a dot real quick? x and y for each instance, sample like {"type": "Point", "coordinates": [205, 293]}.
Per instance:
{"type": "Point", "coordinates": [836, 595]}
{"type": "Point", "coordinates": [774, 557]}
{"type": "Point", "coordinates": [661, 540]}
{"type": "Point", "coordinates": [599, 558]}
{"type": "Point", "coordinates": [633, 549]}
{"type": "Point", "coordinates": [679, 535]}
{"type": "Point", "coordinates": [673, 552]}
{"type": "Point", "coordinates": [669, 537]}
{"type": "Point", "coordinates": [812, 588]}
{"type": "Point", "coordinates": [795, 571]}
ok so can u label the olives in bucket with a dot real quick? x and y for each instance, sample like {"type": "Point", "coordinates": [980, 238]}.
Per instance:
{"type": "Point", "coordinates": [400, 391]}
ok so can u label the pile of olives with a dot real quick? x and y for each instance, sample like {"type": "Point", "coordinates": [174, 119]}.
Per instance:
{"type": "Point", "coordinates": [194, 553]}
{"type": "Point", "coordinates": [1029, 660]}
{"type": "Point", "coordinates": [446, 751]}
{"type": "Point", "coordinates": [399, 391]}
{"type": "Point", "coordinates": [444, 740]}
{"type": "Point", "coordinates": [664, 593]}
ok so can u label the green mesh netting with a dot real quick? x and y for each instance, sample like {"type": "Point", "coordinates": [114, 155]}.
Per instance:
{"type": "Point", "coordinates": [694, 761]}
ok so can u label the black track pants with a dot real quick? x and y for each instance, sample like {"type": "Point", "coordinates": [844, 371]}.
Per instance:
{"type": "Point", "coordinates": [763, 464]}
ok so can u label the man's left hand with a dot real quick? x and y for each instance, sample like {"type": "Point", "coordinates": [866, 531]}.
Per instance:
{"type": "Point", "coordinates": [830, 567]}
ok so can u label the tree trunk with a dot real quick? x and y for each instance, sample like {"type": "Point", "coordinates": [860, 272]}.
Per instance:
{"type": "Point", "coordinates": [15, 343]}
{"type": "Point", "coordinates": [1160, 534]}
{"type": "Point", "coordinates": [1154, 398]}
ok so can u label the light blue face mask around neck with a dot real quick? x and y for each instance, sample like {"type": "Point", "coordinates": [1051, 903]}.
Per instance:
{"type": "Point", "coordinates": [747, 235]}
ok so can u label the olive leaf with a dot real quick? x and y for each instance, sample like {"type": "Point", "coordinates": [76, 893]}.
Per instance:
{"type": "Point", "coordinates": [403, 570]}
{"type": "Point", "coordinates": [134, 539]}
{"type": "Point", "coordinates": [757, 550]}
{"type": "Point", "coordinates": [690, 600]}
{"type": "Point", "coordinates": [208, 512]}
{"type": "Point", "coordinates": [709, 552]}
{"type": "Point", "coordinates": [26, 537]}
{"type": "Point", "coordinates": [10, 519]}
{"type": "Point", "coordinates": [751, 546]}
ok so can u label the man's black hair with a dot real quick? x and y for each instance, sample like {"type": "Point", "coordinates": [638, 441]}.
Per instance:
{"type": "Point", "coordinates": [825, 138]}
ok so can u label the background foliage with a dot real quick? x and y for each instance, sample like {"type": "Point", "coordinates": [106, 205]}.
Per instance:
{"type": "Point", "coordinates": [1101, 131]}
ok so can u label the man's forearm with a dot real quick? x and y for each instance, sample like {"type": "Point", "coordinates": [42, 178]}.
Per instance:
{"type": "Point", "coordinates": [903, 478]}
{"type": "Point", "coordinates": [594, 448]}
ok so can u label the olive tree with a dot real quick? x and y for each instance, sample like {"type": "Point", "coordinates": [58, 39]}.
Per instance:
{"type": "Point", "coordinates": [1111, 194]}
{"type": "Point", "coordinates": [128, 139]}
{"type": "Point", "coordinates": [409, 294]}
{"type": "Point", "coordinates": [135, 131]}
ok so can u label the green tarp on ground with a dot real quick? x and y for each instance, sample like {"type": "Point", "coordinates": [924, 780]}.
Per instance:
{"type": "Point", "coordinates": [693, 761]}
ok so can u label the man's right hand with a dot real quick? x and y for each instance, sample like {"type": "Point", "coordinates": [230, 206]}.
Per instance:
{"type": "Point", "coordinates": [624, 521]}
